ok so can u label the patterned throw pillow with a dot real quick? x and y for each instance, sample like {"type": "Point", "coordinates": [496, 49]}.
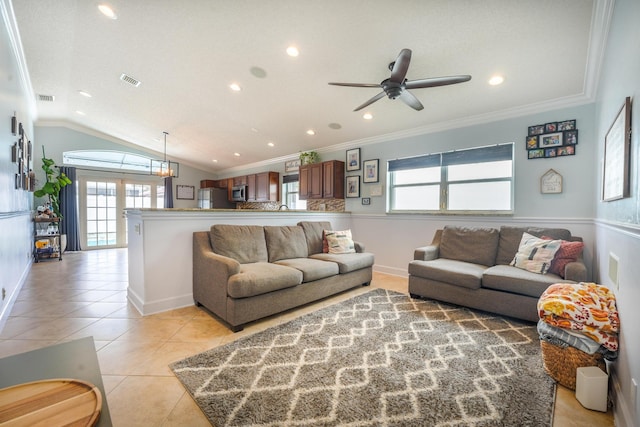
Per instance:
{"type": "Point", "coordinates": [568, 252]}
{"type": "Point", "coordinates": [535, 254]}
{"type": "Point", "coordinates": [339, 242]}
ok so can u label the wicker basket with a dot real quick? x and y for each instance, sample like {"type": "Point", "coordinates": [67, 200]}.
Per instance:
{"type": "Point", "coordinates": [562, 363]}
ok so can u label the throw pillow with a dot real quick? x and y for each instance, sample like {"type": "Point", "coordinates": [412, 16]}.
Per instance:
{"type": "Point", "coordinates": [339, 242]}
{"type": "Point", "coordinates": [568, 252]}
{"type": "Point", "coordinates": [325, 245]}
{"type": "Point", "coordinates": [535, 254]}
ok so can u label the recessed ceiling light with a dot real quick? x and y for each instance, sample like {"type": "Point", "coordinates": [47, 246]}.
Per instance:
{"type": "Point", "coordinates": [311, 132]}
{"type": "Point", "coordinates": [107, 11]}
{"type": "Point", "coordinates": [367, 116]}
{"type": "Point", "coordinates": [496, 80]}
{"type": "Point", "coordinates": [271, 144]}
{"type": "Point", "coordinates": [236, 154]}
{"type": "Point", "coordinates": [83, 93]}
{"type": "Point", "coordinates": [82, 113]}
{"type": "Point", "coordinates": [214, 161]}
{"type": "Point", "coordinates": [235, 87]}
{"type": "Point", "coordinates": [293, 51]}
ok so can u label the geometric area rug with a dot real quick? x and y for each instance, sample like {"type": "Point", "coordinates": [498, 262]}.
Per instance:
{"type": "Point", "coordinates": [377, 359]}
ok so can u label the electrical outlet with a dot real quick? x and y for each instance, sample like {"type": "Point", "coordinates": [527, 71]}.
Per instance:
{"type": "Point", "coordinates": [634, 394]}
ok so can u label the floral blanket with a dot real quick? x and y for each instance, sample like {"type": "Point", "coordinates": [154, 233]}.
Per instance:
{"type": "Point", "coordinates": [584, 307]}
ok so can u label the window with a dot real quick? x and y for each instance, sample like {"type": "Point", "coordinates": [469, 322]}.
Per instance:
{"type": "Point", "coordinates": [477, 180]}
{"type": "Point", "coordinates": [290, 191]}
{"type": "Point", "coordinates": [119, 160]}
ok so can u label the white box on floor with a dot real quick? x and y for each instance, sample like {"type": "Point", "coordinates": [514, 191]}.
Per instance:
{"type": "Point", "coordinates": [592, 387]}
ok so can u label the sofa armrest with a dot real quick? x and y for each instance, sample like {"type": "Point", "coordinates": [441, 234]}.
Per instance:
{"type": "Point", "coordinates": [211, 274]}
{"type": "Point", "coordinates": [576, 271]}
{"type": "Point", "coordinates": [426, 253]}
{"type": "Point", "coordinates": [359, 247]}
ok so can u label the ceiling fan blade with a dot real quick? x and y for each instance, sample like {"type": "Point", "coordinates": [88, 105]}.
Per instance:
{"type": "Point", "coordinates": [409, 99]}
{"type": "Point", "coordinates": [400, 67]}
{"type": "Point", "coordinates": [436, 81]}
{"type": "Point", "coordinates": [371, 101]}
{"type": "Point", "coordinates": [355, 84]}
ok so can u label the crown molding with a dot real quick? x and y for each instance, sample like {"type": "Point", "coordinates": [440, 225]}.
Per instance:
{"type": "Point", "coordinates": [9, 18]}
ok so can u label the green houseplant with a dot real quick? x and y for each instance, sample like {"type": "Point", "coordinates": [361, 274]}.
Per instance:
{"type": "Point", "coordinates": [55, 180]}
{"type": "Point", "coordinates": [309, 157]}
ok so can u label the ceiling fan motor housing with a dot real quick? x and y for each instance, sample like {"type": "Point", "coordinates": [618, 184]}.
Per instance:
{"type": "Point", "coordinates": [392, 89]}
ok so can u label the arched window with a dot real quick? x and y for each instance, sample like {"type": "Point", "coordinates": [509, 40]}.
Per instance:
{"type": "Point", "coordinates": [108, 159]}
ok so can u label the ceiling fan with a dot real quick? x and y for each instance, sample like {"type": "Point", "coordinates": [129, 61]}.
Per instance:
{"type": "Point", "coordinates": [397, 85]}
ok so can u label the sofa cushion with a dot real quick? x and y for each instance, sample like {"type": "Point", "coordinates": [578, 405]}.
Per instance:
{"type": "Point", "coordinates": [313, 233]}
{"type": "Point", "coordinates": [339, 242]}
{"type": "Point", "coordinates": [510, 240]}
{"type": "Point", "coordinates": [459, 273]}
{"type": "Point", "coordinates": [244, 243]}
{"type": "Point", "coordinates": [535, 254]}
{"type": "Point", "coordinates": [284, 242]}
{"type": "Point", "coordinates": [568, 252]}
{"type": "Point", "coordinates": [517, 281]}
{"type": "Point", "coordinates": [312, 269]}
{"type": "Point", "coordinates": [348, 262]}
{"type": "Point", "coordinates": [262, 277]}
{"type": "Point", "coordinates": [476, 245]}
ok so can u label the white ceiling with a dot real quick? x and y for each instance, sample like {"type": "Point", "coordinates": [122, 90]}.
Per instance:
{"type": "Point", "coordinates": [186, 53]}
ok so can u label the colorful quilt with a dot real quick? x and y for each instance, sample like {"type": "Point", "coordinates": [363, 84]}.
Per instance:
{"type": "Point", "coordinates": [585, 307]}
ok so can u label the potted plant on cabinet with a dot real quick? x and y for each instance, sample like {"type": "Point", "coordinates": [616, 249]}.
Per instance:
{"type": "Point", "coordinates": [308, 157]}
{"type": "Point", "coordinates": [55, 179]}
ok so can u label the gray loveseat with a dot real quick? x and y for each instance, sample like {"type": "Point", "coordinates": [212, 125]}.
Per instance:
{"type": "Point", "coordinates": [469, 266]}
{"type": "Point", "coordinates": [242, 273]}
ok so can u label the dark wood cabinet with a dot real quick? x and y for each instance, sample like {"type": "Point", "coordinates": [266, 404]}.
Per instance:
{"type": "Point", "coordinates": [267, 187]}
{"type": "Point", "coordinates": [322, 180]}
{"type": "Point", "coordinates": [251, 188]}
{"type": "Point", "coordinates": [333, 180]}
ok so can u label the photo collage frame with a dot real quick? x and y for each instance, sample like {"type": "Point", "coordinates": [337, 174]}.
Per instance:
{"type": "Point", "coordinates": [550, 140]}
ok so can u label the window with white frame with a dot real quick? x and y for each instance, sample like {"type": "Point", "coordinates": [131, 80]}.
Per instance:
{"type": "Point", "coordinates": [291, 192]}
{"type": "Point", "coordinates": [475, 180]}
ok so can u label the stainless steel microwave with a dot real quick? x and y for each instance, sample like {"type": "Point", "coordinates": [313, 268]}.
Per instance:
{"type": "Point", "coordinates": [239, 193]}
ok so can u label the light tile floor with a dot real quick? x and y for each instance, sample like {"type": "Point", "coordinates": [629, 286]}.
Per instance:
{"type": "Point", "coordinates": [85, 295]}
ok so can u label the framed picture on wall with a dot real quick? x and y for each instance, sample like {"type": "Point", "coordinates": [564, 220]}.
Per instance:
{"type": "Point", "coordinates": [615, 176]}
{"type": "Point", "coordinates": [353, 186]}
{"type": "Point", "coordinates": [371, 170]}
{"type": "Point", "coordinates": [353, 160]}
{"type": "Point", "coordinates": [186, 192]}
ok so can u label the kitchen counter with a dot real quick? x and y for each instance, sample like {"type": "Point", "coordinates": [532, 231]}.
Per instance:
{"type": "Point", "coordinates": [160, 243]}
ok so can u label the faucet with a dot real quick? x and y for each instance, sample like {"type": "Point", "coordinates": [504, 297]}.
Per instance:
{"type": "Point", "coordinates": [286, 208]}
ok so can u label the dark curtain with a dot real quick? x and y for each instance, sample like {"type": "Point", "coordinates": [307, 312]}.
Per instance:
{"type": "Point", "coordinates": [168, 192]}
{"type": "Point", "coordinates": [70, 224]}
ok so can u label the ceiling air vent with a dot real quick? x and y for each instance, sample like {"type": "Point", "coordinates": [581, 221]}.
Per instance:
{"type": "Point", "coordinates": [46, 98]}
{"type": "Point", "coordinates": [130, 80]}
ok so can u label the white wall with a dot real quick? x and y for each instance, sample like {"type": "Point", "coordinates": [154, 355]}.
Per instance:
{"type": "Point", "coordinates": [618, 222]}
{"type": "Point", "coordinates": [15, 205]}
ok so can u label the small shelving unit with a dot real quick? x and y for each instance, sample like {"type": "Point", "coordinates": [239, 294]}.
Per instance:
{"type": "Point", "coordinates": [46, 239]}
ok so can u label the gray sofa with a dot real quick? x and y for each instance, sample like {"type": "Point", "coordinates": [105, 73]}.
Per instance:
{"type": "Point", "coordinates": [469, 266]}
{"type": "Point", "coordinates": [242, 273]}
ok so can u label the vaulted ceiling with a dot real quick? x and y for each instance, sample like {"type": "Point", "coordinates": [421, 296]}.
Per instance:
{"type": "Point", "coordinates": [185, 54]}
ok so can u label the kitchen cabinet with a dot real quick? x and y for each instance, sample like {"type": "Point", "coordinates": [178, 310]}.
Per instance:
{"type": "Point", "coordinates": [251, 188]}
{"type": "Point", "coordinates": [322, 180]}
{"type": "Point", "coordinates": [310, 181]}
{"type": "Point", "coordinates": [333, 180]}
{"type": "Point", "coordinates": [268, 187]}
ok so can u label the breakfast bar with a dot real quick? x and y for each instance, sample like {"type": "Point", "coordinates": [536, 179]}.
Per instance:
{"type": "Point", "coordinates": [160, 248]}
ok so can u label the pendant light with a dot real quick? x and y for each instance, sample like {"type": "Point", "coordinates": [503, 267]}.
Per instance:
{"type": "Point", "coordinates": [165, 168]}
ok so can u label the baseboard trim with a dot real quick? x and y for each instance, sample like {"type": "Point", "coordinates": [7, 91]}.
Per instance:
{"type": "Point", "coordinates": [159, 306]}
